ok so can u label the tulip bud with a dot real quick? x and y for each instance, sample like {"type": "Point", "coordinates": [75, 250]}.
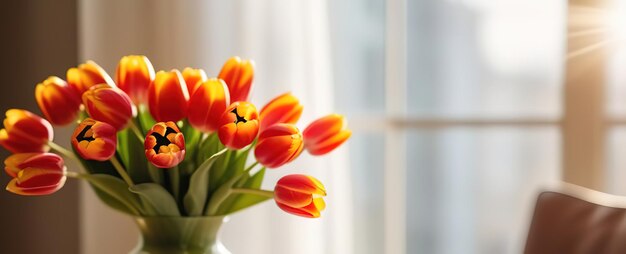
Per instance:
{"type": "Point", "coordinates": [192, 78]}
{"type": "Point", "coordinates": [207, 104]}
{"type": "Point", "coordinates": [239, 125]}
{"type": "Point", "coordinates": [87, 75]}
{"type": "Point", "coordinates": [165, 145]}
{"type": "Point", "coordinates": [278, 145]}
{"type": "Point", "coordinates": [168, 96]}
{"type": "Point", "coordinates": [238, 75]}
{"type": "Point", "coordinates": [25, 132]}
{"type": "Point", "coordinates": [300, 195]}
{"type": "Point", "coordinates": [134, 75]}
{"type": "Point", "coordinates": [285, 108]}
{"type": "Point", "coordinates": [94, 140]}
{"type": "Point", "coordinates": [58, 102]}
{"type": "Point", "coordinates": [35, 173]}
{"type": "Point", "coordinates": [109, 105]}
{"type": "Point", "coordinates": [325, 134]}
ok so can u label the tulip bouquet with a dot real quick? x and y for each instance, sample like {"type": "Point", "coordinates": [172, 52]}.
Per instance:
{"type": "Point", "coordinates": [168, 145]}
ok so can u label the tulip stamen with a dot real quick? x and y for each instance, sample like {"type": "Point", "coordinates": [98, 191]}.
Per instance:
{"type": "Point", "coordinates": [81, 136]}
{"type": "Point", "coordinates": [162, 140]}
{"type": "Point", "coordinates": [239, 118]}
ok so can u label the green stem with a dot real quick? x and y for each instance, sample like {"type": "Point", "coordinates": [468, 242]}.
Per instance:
{"type": "Point", "coordinates": [136, 130]}
{"type": "Point", "coordinates": [263, 193]}
{"type": "Point", "coordinates": [251, 166]}
{"type": "Point", "coordinates": [223, 192]}
{"type": "Point", "coordinates": [174, 174]}
{"type": "Point", "coordinates": [120, 169]}
{"type": "Point", "coordinates": [63, 151]}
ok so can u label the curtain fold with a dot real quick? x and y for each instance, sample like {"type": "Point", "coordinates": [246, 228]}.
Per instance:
{"type": "Point", "coordinates": [289, 41]}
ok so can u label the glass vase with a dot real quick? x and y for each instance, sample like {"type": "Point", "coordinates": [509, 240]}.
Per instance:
{"type": "Point", "coordinates": [178, 235]}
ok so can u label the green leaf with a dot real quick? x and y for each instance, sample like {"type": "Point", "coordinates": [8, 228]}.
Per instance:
{"type": "Point", "coordinates": [160, 200]}
{"type": "Point", "coordinates": [114, 192]}
{"type": "Point", "coordinates": [145, 119]}
{"type": "Point", "coordinates": [122, 145]}
{"type": "Point", "coordinates": [196, 197]}
{"type": "Point", "coordinates": [237, 202]}
{"type": "Point", "coordinates": [208, 147]}
{"type": "Point", "coordinates": [136, 163]}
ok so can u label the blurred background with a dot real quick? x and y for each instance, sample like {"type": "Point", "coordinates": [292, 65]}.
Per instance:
{"type": "Point", "coordinates": [461, 111]}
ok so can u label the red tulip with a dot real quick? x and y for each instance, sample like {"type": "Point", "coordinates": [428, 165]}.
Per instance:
{"type": "Point", "coordinates": [192, 78]}
{"type": "Point", "coordinates": [25, 132]}
{"type": "Point", "coordinates": [238, 75]}
{"type": "Point", "coordinates": [168, 96]}
{"type": "Point", "coordinates": [109, 105]}
{"type": "Point", "coordinates": [239, 125]}
{"type": "Point", "coordinates": [325, 134]}
{"type": "Point", "coordinates": [58, 102]}
{"type": "Point", "coordinates": [35, 173]}
{"type": "Point", "coordinates": [300, 195]}
{"type": "Point", "coordinates": [134, 75]}
{"type": "Point", "coordinates": [165, 145]}
{"type": "Point", "coordinates": [279, 144]}
{"type": "Point", "coordinates": [207, 104]}
{"type": "Point", "coordinates": [87, 75]}
{"type": "Point", "coordinates": [94, 140]}
{"type": "Point", "coordinates": [285, 108]}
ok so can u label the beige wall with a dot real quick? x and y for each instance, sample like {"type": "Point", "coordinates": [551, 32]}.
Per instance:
{"type": "Point", "coordinates": [38, 39]}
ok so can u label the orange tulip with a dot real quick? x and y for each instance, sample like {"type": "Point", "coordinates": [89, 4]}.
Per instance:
{"type": "Point", "coordinates": [35, 173]}
{"type": "Point", "coordinates": [168, 97]}
{"type": "Point", "coordinates": [165, 145]}
{"type": "Point", "coordinates": [192, 78]}
{"type": "Point", "coordinates": [207, 104]}
{"type": "Point", "coordinates": [279, 144]}
{"type": "Point", "coordinates": [239, 125]}
{"type": "Point", "coordinates": [86, 76]}
{"type": "Point", "coordinates": [300, 195]}
{"type": "Point", "coordinates": [109, 105]}
{"type": "Point", "coordinates": [25, 132]}
{"type": "Point", "coordinates": [238, 75]}
{"type": "Point", "coordinates": [94, 140]}
{"type": "Point", "coordinates": [134, 75]}
{"type": "Point", "coordinates": [58, 102]}
{"type": "Point", "coordinates": [325, 134]}
{"type": "Point", "coordinates": [285, 108]}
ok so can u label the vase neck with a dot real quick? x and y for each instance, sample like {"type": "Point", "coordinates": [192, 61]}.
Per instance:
{"type": "Point", "coordinates": [180, 235]}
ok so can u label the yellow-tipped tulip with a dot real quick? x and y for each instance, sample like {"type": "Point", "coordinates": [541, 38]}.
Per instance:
{"type": "Point", "coordinates": [58, 102]}
{"type": "Point", "coordinates": [325, 134]}
{"type": "Point", "coordinates": [87, 75]}
{"type": "Point", "coordinates": [285, 108]}
{"type": "Point", "coordinates": [193, 77]}
{"type": "Point", "coordinates": [94, 140]}
{"type": "Point", "coordinates": [35, 174]}
{"type": "Point", "coordinates": [165, 145]}
{"type": "Point", "coordinates": [207, 104]}
{"type": "Point", "coordinates": [279, 144]}
{"type": "Point", "coordinates": [168, 97]}
{"type": "Point", "coordinates": [300, 195]}
{"type": "Point", "coordinates": [239, 125]}
{"type": "Point", "coordinates": [109, 105]}
{"type": "Point", "coordinates": [134, 75]}
{"type": "Point", "coordinates": [238, 75]}
{"type": "Point", "coordinates": [25, 132]}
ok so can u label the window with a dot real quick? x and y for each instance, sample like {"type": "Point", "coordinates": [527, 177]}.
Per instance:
{"type": "Point", "coordinates": [448, 154]}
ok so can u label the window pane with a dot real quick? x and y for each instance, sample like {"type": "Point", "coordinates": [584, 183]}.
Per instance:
{"type": "Point", "coordinates": [366, 158]}
{"type": "Point", "coordinates": [472, 190]}
{"type": "Point", "coordinates": [486, 59]}
{"type": "Point", "coordinates": [358, 39]}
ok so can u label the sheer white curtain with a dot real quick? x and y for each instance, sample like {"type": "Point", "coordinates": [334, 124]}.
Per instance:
{"type": "Point", "coordinates": [289, 40]}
